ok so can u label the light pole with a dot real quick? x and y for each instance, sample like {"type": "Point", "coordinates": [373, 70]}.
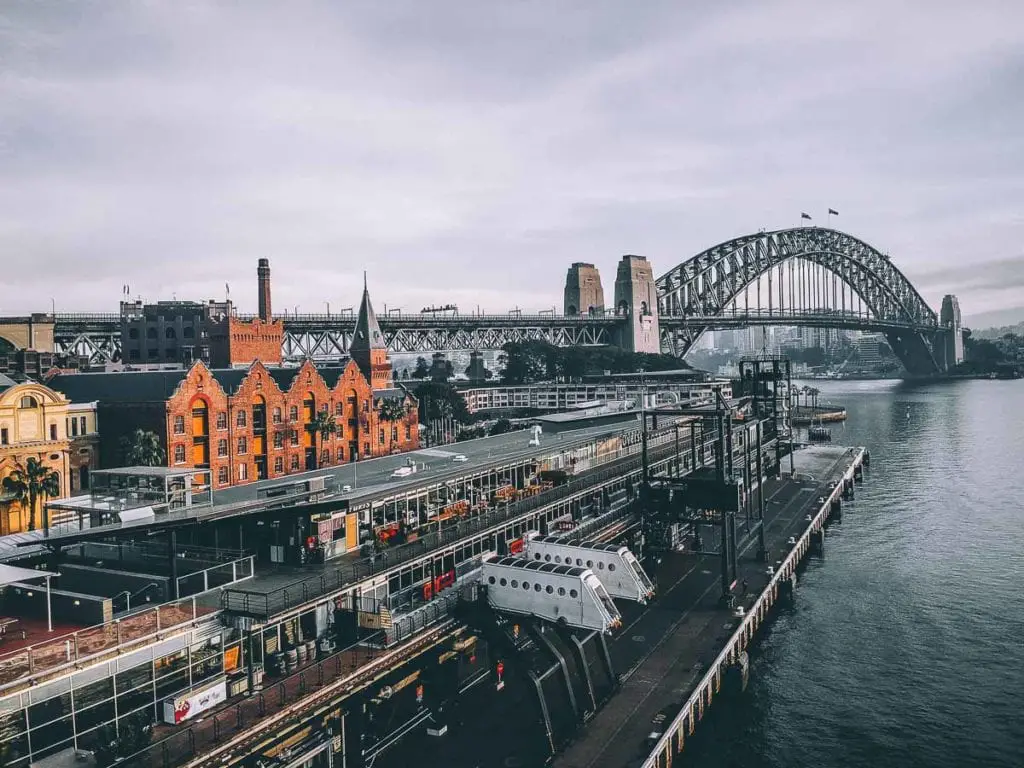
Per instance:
{"type": "Point", "coordinates": [127, 599]}
{"type": "Point", "coordinates": [355, 470]}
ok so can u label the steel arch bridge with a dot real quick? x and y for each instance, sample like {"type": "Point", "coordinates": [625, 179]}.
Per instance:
{"type": "Point", "coordinates": [806, 276]}
{"type": "Point", "coordinates": [810, 276]}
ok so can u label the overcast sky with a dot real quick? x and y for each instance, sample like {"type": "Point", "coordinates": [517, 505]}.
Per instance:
{"type": "Point", "coordinates": [469, 151]}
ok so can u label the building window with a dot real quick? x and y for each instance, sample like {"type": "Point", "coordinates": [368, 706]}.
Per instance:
{"type": "Point", "coordinates": [278, 439]}
{"type": "Point", "coordinates": [240, 419]}
{"type": "Point", "coordinates": [222, 475]}
{"type": "Point", "coordinates": [179, 454]}
{"type": "Point", "coordinates": [366, 406]}
{"type": "Point", "coordinates": [295, 437]}
{"type": "Point", "coordinates": [366, 449]}
{"type": "Point", "coordinates": [28, 402]}
{"type": "Point", "coordinates": [243, 471]}
{"type": "Point", "coordinates": [151, 333]}
{"type": "Point", "coordinates": [81, 423]}
{"type": "Point", "coordinates": [295, 462]}
{"type": "Point", "coordinates": [341, 454]}
{"type": "Point", "coordinates": [179, 425]}
{"type": "Point", "coordinates": [222, 420]}
{"type": "Point", "coordinates": [133, 333]}
{"type": "Point", "coordinates": [394, 434]}
{"type": "Point", "coordinates": [4, 436]}
{"type": "Point", "coordinates": [133, 354]}
{"type": "Point", "coordinates": [222, 448]}
{"type": "Point", "coordinates": [188, 332]}
{"type": "Point", "coordinates": [53, 431]}
{"type": "Point", "coordinates": [408, 432]}
{"type": "Point", "coordinates": [152, 353]}
{"type": "Point", "coordinates": [325, 457]}
{"type": "Point", "coordinates": [293, 413]}
{"type": "Point", "coordinates": [279, 464]}
{"type": "Point", "coordinates": [73, 422]}
{"type": "Point", "coordinates": [339, 409]}
{"type": "Point", "coordinates": [243, 446]}
{"type": "Point", "coordinates": [380, 436]}
{"type": "Point", "coordinates": [277, 415]}
{"type": "Point", "coordinates": [170, 334]}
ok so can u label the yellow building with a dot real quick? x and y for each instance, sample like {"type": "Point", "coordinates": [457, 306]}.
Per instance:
{"type": "Point", "coordinates": [33, 423]}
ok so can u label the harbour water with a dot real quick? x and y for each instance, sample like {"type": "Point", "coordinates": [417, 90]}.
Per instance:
{"type": "Point", "coordinates": [905, 647]}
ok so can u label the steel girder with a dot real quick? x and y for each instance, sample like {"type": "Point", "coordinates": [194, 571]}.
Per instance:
{"type": "Point", "coordinates": [451, 334]}
{"type": "Point", "coordinates": [705, 285]}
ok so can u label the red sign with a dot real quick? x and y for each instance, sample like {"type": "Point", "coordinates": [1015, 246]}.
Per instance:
{"type": "Point", "coordinates": [515, 546]}
{"type": "Point", "coordinates": [501, 670]}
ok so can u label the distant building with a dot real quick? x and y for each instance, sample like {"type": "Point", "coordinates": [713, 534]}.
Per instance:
{"type": "Point", "coordinates": [182, 332]}
{"type": "Point", "coordinates": [34, 421]}
{"type": "Point", "coordinates": [247, 424]}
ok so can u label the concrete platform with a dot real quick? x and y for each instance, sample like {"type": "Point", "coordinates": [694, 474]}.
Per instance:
{"type": "Point", "coordinates": [664, 651]}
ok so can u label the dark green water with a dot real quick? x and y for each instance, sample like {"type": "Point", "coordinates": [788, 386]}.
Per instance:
{"type": "Point", "coordinates": [906, 645]}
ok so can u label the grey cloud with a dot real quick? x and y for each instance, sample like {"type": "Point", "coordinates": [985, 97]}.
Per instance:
{"type": "Point", "coordinates": [472, 152]}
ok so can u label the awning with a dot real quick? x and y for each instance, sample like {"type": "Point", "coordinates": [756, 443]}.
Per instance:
{"type": "Point", "coordinates": [11, 574]}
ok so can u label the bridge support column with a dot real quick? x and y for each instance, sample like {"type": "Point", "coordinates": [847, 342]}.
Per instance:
{"type": "Point", "coordinates": [636, 301]}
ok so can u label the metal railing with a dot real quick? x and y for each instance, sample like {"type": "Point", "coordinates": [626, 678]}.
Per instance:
{"type": "Point", "coordinates": [348, 667]}
{"type": "Point", "coordinates": [216, 576]}
{"type": "Point", "coordinates": [36, 662]}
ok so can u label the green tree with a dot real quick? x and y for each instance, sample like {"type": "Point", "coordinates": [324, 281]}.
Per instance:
{"type": "Point", "coordinates": [142, 449]}
{"type": "Point", "coordinates": [439, 400]}
{"type": "Point", "coordinates": [501, 426]}
{"type": "Point", "coordinates": [32, 482]}
{"type": "Point", "coordinates": [322, 425]}
{"type": "Point", "coordinates": [422, 369]}
{"type": "Point", "coordinates": [524, 362]}
{"type": "Point", "coordinates": [392, 409]}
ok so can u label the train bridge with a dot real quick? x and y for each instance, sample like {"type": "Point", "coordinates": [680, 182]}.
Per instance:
{"type": "Point", "coordinates": [806, 276]}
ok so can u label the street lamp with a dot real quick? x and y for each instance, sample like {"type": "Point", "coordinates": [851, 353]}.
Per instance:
{"type": "Point", "coordinates": [127, 599]}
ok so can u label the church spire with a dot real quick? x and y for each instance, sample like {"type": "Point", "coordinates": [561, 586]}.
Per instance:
{"type": "Point", "coordinates": [367, 334]}
{"type": "Point", "coordinates": [368, 348]}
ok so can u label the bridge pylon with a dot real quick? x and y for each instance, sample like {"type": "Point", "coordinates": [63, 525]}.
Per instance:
{"type": "Point", "coordinates": [636, 301]}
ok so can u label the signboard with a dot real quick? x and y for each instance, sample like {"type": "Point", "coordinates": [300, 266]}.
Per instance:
{"type": "Point", "coordinates": [188, 704]}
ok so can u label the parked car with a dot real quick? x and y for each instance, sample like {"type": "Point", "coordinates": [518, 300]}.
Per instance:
{"type": "Point", "coordinates": [459, 458]}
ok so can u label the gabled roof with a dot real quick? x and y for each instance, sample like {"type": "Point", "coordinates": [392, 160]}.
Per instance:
{"type": "Point", "coordinates": [118, 386]}
{"type": "Point", "coordinates": [6, 382]}
{"type": "Point", "coordinates": [367, 334]}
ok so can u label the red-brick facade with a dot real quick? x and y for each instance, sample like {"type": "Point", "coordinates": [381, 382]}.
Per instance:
{"type": "Point", "coordinates": [261, 430]}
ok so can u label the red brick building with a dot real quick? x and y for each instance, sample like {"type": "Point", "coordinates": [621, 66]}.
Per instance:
{"type": "Point", "coordinates": [253, 423]}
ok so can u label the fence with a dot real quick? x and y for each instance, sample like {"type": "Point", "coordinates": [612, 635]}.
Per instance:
{"type": "Point", "coordinates": [216, 576]}
{"type": "Point", "coordinates": [36, 662]}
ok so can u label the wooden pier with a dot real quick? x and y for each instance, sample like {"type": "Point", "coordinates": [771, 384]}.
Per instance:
{"type": "Point", "coordinates": [702, 650]}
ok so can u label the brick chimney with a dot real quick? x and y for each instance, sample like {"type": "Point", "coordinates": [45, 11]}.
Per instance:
{"type": "Point", "coordinates": [263, 274]}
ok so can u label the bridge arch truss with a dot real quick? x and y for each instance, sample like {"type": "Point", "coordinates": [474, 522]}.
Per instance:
{"type": "Point", "coordinates": [698, 293]}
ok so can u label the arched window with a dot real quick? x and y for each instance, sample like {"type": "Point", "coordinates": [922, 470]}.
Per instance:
{"type": "Point", "coordinates": [170, 334]}
{"type": "Point", "coordinates": [151, 333]}
{"type": "Point", "coordinates": [188, 332]}
{"type": "Point", "coordinates": [28, 402]}
{"type": "Point", "coordinates": [133, 333]}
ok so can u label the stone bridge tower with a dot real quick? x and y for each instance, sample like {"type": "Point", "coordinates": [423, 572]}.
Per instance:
{"type": "Point", "coordinates": [636, 301]}
{"type": "Point", "coordinates": [583, 292]}
{"type": "Point", "coordinates": [952, 336]}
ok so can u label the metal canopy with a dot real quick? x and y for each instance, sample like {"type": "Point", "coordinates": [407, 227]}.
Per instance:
{"type": "Point", "coordinates": [12, 574]}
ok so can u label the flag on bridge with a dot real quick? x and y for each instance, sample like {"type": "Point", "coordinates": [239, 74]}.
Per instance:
{"type": "Point", "coordinates": [805, 216]}
{"type": "Point", "coordinates": [833, 212]}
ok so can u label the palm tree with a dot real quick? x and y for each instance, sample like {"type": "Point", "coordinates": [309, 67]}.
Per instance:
{"type": "Point", "coordinates": [33, 482]}
{"type": "Point", "coordinates": [142, 449]}
{"type": "Point", "coordinates": [814, 397]}
{"type": "Point", "coordinates": [392, 409]}
{"type": "Point", "coordinates": [322, 425]}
